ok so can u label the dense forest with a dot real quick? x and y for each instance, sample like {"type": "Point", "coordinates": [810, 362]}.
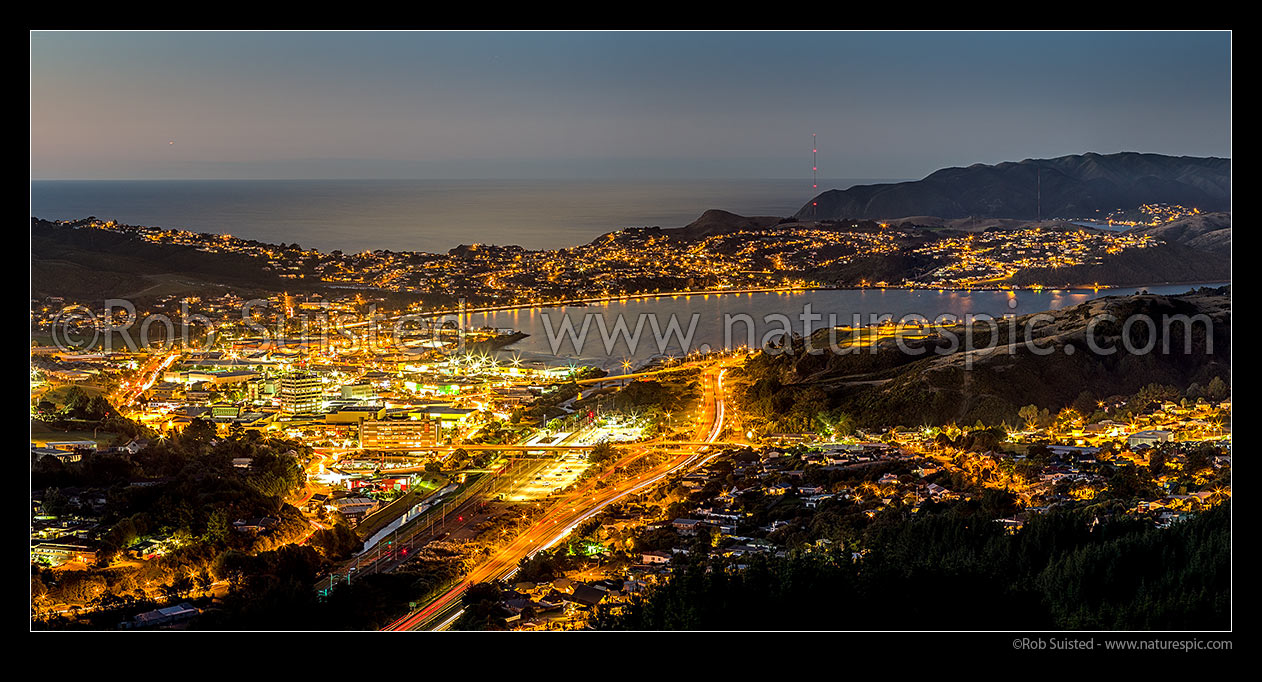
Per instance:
{"type": "Point", "coordinates": [953, 571]}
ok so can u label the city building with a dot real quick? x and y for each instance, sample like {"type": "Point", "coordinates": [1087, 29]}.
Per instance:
{"type": "Point", "coordinates": [398, 434]}
{"type": "Point", "coordinates": [359, 391]}
{"type": "Point", "coordinates": [300, 393]}
{"type": "Point", "coordinates": [1149, 438]}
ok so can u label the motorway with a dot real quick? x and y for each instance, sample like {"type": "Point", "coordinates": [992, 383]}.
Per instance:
{"type": "Point", "coordinates": [445, 517]}
{"type": "Point", "coordinates": [577, 507]}
{"type": "Point", "coordinates": [151, 373]}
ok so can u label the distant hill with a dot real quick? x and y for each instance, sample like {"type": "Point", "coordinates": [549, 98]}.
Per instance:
{"type": "Point", "coordinates": [1197, 249]}
{"type": "Point", "coordinates": [1070, 187]}
{"type": "Point", "coordinates": [86, 263]}
{"type": "Point", "coordinates": [1208, 232]}
{"type": "Point", "coordinates": [715, 221]}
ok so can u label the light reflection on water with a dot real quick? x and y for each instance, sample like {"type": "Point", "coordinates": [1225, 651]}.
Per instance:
{"type": "Point", "coordinates": [710, 311]}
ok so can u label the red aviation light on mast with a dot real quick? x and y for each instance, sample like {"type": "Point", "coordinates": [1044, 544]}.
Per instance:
{"type": "Point", "coordinates": [814, 168]}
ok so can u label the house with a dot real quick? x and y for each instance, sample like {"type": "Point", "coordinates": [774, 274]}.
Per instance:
{"type": "Point", "coordinates": [355, 508]}
{"type": "Point", "coordinates": [163, 616]}
{"type": "Point", "coordinates": [686, 526]}
{"type": "Point", "coordinates": [1011, 524]}
{"type": "Point", "coordinates": [814, 500]}
{"type": "Point", "coordinates": [255, 525]}
{"type": "Point", "coordinates": [655, 557]}
{"type": "Point", "coordinates": [317, 502]}
{"type": "Point", "coordinates": [57, 553]}
{"type": "Point", "coordinates": [588, 595]}
{"type": "Point", "coordinates": [1149, 438]}
{"type": "Point", "coordinates": [39, 453]}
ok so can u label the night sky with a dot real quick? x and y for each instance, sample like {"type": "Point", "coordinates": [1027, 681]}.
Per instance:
{"type": "Point", "coordinates": [646, 105]}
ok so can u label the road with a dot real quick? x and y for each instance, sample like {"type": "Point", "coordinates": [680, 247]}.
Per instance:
{"type": "Point", "coordinates": [576, 508]}
{"type": "Point", "coordinates": [150, 374]}
{"type": "Point", "coordinates": [634, 375]}
{"type": "Point", "coordinates": [456, 514]}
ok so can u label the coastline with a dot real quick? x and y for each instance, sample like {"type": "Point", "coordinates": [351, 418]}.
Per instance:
{"type": "Point", "coordinates": [584, 302]}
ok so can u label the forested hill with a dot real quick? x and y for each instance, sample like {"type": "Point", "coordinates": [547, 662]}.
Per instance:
{"type": "Point", "coordinates": [956, 571]}
{"type": "Point", "coordinates": [89, 263]}
{"type": "Point", "coordinates": [935, 381]}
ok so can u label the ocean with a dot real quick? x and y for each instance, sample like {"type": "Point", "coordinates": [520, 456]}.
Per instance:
{"type": "Point", "coordinates": [417, 215]}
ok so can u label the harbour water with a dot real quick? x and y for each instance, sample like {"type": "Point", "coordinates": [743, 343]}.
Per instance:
{"type": "Point", "coordinates": [719, 320]}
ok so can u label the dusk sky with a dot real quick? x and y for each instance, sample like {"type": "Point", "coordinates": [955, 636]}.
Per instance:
{"type": "Point", "coordinates": [593, 104]}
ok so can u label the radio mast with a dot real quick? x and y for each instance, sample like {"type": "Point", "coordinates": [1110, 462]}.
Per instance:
{"type": "Point", "coordinates": [1038, 193]}
{"type": "Point", "coordinates": [814, 172]}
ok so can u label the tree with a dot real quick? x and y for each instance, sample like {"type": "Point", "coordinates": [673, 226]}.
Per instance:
{"type": "Point", "coordinates": [1217, 389]}
{"type": "Point", "coordinates": [232, 566]}
{"type": "Point", "coordinates": [1157, 462]}
{"type": "Point", "coordinates": [1200, 458]}
{"type": "Point", "coordinates": [1128, 483]}
{"type": "Point", "coordinates": [480, 592]}
{"type": "Point", "coordinates": [1085, 403]}
{"type": "Point", "coordinates": [46, 409]}
{"type": "Point", "coordinates": [76, 401]}
{"type": "Point", "coordinates": [198, 432]}
{"type": "Point", "coordinates": [458, 459]}
{"type": "Point", "coordinates": [1156, 393]}
{"type": "Point", "coordinates": [56, 504]}
{"type": "Point", "coordinates": [1067, 417]}
{"type": "Point", "coordinates": [603, 452]}
{"type": "Point", "coordinates": [98, 408]}
{"type": "Point", "coordinates": [217, 527]}
{"type": "Point", "coordinates": [1030, 413]}
{"type": "Point", "coordinates": [1040, 455]}
{"type": "Point", "coordinates": [337, 543]}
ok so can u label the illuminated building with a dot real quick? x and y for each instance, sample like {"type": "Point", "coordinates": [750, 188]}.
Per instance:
{"type": "Point", "coordinates": [300, 393]}
{"type": "Point", "coordinates": [398, 434]}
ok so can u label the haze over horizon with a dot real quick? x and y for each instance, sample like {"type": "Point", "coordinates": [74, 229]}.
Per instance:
{"type": "Point", "coordinates": [536, 105]}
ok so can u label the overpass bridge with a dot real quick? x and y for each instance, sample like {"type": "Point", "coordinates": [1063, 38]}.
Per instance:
{"type": "Point", "coordinates": [478, 448]}
{"type": "Point", "coordinates": [632, 376]}
{"type": "Point", "coordinates": [572, 448]}
{"type": "Point", "coordinates": [525, 451]}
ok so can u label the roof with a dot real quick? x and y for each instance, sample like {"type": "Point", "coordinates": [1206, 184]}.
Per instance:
{"type": "Point", "coordinates": [586, 594]}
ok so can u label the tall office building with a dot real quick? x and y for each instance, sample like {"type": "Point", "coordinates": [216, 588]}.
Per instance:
{"type": "Point", "coordinates": [300, 393]}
